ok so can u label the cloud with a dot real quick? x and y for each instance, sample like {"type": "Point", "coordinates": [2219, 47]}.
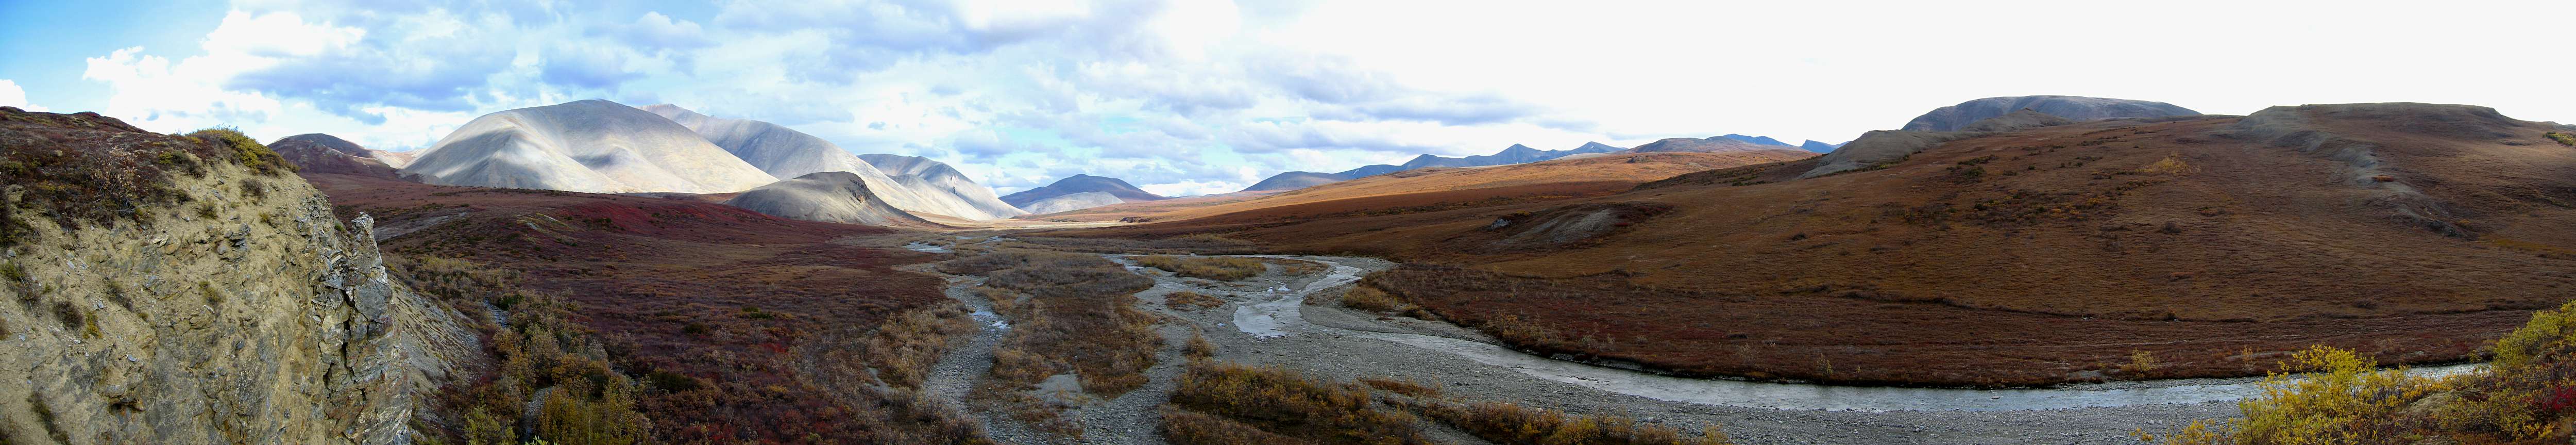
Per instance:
{"type": "Point", "coordinates": [654, 30]}
{"type": "Point", "coordinates": [11, 95]}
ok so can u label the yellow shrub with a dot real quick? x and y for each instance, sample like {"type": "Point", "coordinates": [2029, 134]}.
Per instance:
{"type": "Point", "coordinates": [1371, 299]}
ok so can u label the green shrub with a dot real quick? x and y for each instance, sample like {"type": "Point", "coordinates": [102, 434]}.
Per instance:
{"type": "Point", "coordinates": [245, 151]}
{"type": "Point", "coordinates": [2562, 138]}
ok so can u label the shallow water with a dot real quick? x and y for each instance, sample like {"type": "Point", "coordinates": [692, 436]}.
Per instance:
{"type": "Point", "coordinates": [1280, 317]}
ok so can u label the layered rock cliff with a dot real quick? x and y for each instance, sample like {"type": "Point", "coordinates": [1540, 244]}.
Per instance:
{"type": "Point", "coordinates": [190, 289]}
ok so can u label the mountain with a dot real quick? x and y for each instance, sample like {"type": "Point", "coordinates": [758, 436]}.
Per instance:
{"type": "Point", "coordinates": [1819, 147]}
{"type": "Point", "coordinates": [1295, 180]}
{"type": "Point", "coordinates": [322, 153]}
{"type": "Point", "coordinates": [2421, 230]}
{"type": "Point", "coordinates": [591, 145]}
{"type": "Point", "coordinates": [947, 191]}
{"type": "Point", "coordinates": [1713, 144]}
{"type": "Point", "coordinates": [190, 289]}
{"type": "Point", "coordinates": [786, 153]}
{"type": "Point", "coordinates": [1764, 140]}
{"type": "Point", "coordinates": [829, 196]}
{"type": "Point", "coordinates": [1079, 183]}
{"type": "Point", "coordinates": [1515, 154]}
{"type": "Point", "coordinates": [2017, 120]}
{"type": "Point", "coordinates": [1957, 117]}
{"type": "Point", "coordinates": [1072, 202]}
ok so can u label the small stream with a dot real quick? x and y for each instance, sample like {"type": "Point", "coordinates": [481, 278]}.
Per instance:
{"type": "Point", "coordinates": [1281, 317]}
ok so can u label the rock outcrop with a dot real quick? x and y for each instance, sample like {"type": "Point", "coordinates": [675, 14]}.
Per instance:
{"type": "Point", "coordinates": [834, 196]}
{"type": "Point", "coordinates": [593, 146]}
{"type": "Point", "coordinates": [1958, 117]}
{"type": "Point", "coordinates": [170, 289]}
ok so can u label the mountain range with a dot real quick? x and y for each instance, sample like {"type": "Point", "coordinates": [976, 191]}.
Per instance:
{"type": "Point", "coordinates": [1515, 154]}
{"type": "Point", "coordinates": [600, 146]}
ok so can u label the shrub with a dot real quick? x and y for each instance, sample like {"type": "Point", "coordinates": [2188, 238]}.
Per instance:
{"type": "Point", "coordinates": [2562, 138]}
{"type": "Point", "coordinates": [1189, 428]}
{"type": "Point", "coordinates": [1217, 268]}
{"type": "Point", "coordinates": [1509, 423]}
{"type": "Point", "coordinates": [245, 151]}
{"type": "Point", "coordinates": [2171, 165]}
{"type": "Point", "coordinates": [1284, 402]}
{"type": "Point", "coordinates": [1407, 387]}
{"type": "Point", "coordinates": [2347, 400]}
{"type": "Point", "coordinates": [1191, 300]}
{"type": "Point", "coordinates": [1370, 299]}
{"type": "Point", "coordinates": [1198, 348]}
{"type": "Point", "coordinates": [2141, 361]}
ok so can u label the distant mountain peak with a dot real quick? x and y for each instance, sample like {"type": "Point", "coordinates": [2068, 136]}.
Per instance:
{"type": "Point", "coordinates": [1079, 183]}
{"type": "Point", "coordinates": [1764, 140]}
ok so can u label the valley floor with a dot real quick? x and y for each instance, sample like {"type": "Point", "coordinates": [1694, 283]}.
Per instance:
{"type": "Point", "coordinates": [1295, 321]}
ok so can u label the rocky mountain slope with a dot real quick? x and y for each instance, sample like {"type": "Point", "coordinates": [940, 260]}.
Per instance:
{"type": "Point", "coordinates": [168, 289]}
{"type": "Point", "coordinates": [322, 153]}
{"type": "Point", "coordinates": [832, 196]}
{"type": "Point", "coordinates": [1957, 117]}
{"type": "Point", "coordinates": [584, 146]}
{"type": "Point", "coordinates": [952, 192]}
{"type": "Point", "coordinates": [1079, 183]}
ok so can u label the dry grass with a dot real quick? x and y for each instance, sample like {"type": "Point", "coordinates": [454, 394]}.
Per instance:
{"type": "Point", "coordinates": [1407, 387]}
{"type": "Point", "coordinates": [1186, 300]}
{"type": "Point", "coordinates": [1199, 348]}
{"type": "Point", "coordinates": [1277, 401]}
{"type": "Point", "coordinates": [1298, 267]}
{"type": "Point", "coordinates": [1190, 428]}
{"type": "Point", "coordinates": [1216, 268]}
{"type": "Point", "coordinates": [1509, 423]}
{"type": "Point", "coordinates": [1370, 299]}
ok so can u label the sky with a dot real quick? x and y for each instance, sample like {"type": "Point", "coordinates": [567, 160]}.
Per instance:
{"type": "Point", "coordinates": [1196, 97]}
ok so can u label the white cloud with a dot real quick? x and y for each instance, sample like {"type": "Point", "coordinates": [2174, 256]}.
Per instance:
{"type": "Point", "coordinates": [11, 95]}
